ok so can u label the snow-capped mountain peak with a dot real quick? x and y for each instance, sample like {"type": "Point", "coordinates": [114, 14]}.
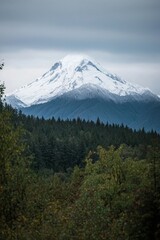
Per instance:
{"type": "Point", "coordinates": [71, 73]}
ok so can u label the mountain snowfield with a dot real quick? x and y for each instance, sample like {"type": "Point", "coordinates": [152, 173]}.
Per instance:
{"type": "Point", "coordinates": [71, 73]}
{"type": "Point", "coordinates": [77, 86]}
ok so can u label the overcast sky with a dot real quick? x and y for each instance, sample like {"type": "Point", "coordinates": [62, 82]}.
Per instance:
{"type": "Point", "coordinates": [122, 35]}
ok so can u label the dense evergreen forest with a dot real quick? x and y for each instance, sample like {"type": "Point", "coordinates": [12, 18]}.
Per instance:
{"type": "Point", "coordinates": [60, 145]}
{"type": "Point", "coordinates": [77, 179]}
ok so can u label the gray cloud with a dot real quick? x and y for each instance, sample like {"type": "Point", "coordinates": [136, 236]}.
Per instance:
{"type": "Point", "coordinates": [127, 30]}
{"type": "Point", "coordinates": [122, 26]}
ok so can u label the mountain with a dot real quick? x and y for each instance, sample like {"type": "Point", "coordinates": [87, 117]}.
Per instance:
{"type": "Point", "coordinates": [77, 86]}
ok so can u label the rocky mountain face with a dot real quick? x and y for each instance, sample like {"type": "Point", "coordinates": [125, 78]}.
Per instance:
{"type": "Point", "coordinates": [77, 86]}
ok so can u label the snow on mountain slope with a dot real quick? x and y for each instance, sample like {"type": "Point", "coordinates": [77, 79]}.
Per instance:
{"type": "Point", "coordinates": [74, 72]}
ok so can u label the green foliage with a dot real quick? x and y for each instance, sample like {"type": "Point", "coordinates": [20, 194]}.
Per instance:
{"type": "Point", "coordinates": [109, 198]}
{"type": "Point", "coordinates": [112, 194]}
{"type": "Point", "coordinates": [59, 145]}
{"type": "Point", "coordinates": [13, 177]}
{"type": "Point", "coordinates": [113, 198]}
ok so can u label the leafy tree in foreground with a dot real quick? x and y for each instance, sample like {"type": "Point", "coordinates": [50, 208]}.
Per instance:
{"type": "Point", "coordinates": [115, 199]}
{"type": "Point", "coordinates": [13, 177]}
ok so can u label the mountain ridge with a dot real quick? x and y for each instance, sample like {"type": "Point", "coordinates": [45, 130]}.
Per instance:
{"type": "Point", "coordinates": [70, 73]}
{"type": "Point", "coordinates": [77, 86]}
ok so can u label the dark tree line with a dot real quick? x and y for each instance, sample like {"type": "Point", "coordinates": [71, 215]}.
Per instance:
{"type": "Point", "coordinates": [59, 144]}
{"type": "Point", "coordinates": [77, 180]}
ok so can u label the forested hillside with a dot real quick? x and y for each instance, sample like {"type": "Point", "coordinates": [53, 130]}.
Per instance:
{"type": "Point", "coordinates": [59, 145]}
{"type": "Point", "coordinates": [77, 180]}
